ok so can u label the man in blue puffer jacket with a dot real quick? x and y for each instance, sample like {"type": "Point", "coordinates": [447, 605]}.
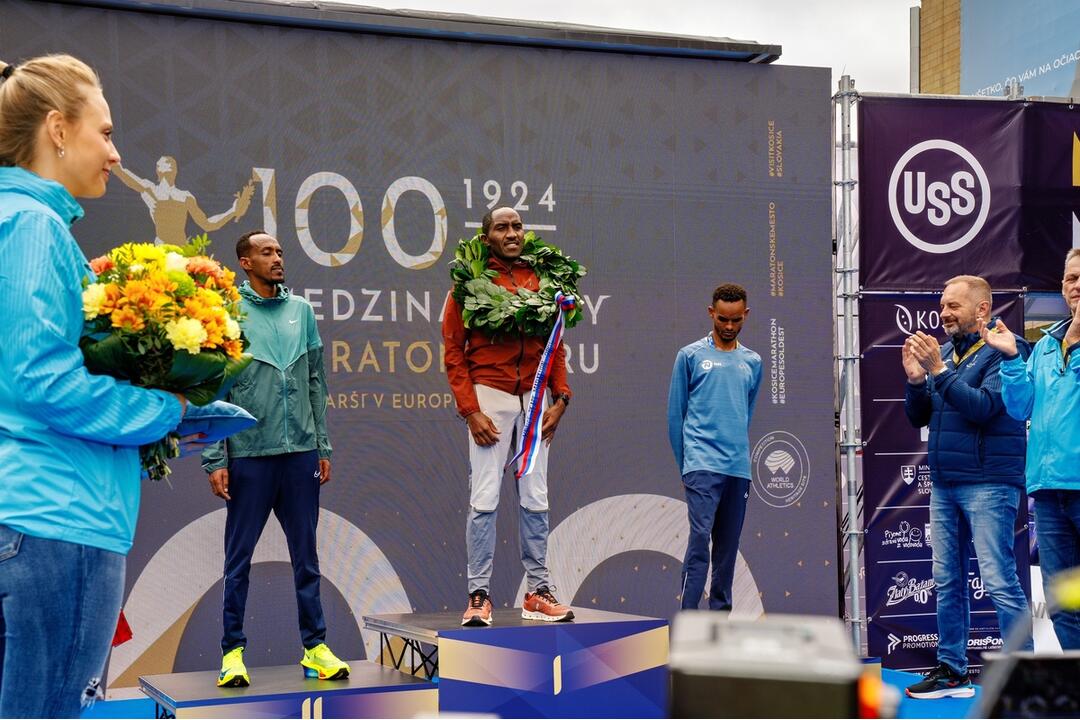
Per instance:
{"type": "Point", "coordinates": [1046, 388]}
{"type": "Point", "coordinates": [976, 453]}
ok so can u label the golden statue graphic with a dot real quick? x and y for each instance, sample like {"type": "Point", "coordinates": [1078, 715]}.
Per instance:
{"type": "Point", "coordinates": [170, 206]}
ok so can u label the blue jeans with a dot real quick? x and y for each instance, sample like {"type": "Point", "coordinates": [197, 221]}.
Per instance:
{"type": "Point", "coordinates": [1057, 514]}
{"type": "Point", "coordinates": [983, 513]}
{"type": "Point", "coordinates": [486, 472]}
{"type": "Point", "coordinates": [289, 485]}
{"type": "Point", "coordinates": [716, 506]}
{"type": "Point", "coordinates": [480, 542]}
{"type": "Point", "coordinates": [59, 603]}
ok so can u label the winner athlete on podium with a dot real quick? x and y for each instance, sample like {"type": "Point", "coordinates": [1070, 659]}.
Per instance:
{"type": "Point", "coordinates": [491, 379]}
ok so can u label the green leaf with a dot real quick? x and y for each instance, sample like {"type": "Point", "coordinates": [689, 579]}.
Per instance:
{"type": "Point", "coordinates": [108, 356]}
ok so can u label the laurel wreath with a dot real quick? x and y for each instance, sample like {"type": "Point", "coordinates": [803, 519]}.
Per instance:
{"type": "Point", "coordinates": [494, 310]}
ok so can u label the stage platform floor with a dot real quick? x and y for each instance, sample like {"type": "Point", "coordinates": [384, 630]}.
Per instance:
{"type": "Point", "coordinates": [198, 691]}
{"type": "Point", "coordinates": [944, 708]}
{"type": "Point", "coordinates": [426, 627]}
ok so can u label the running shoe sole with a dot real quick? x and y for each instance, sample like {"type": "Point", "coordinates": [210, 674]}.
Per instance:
{"type": "Point", "coordinates": [312, 673]}
{"type": "Point", "coordinates": [529, 615]}
{"type": "Point", "coordinates": [475, 621]}
{"type": "Point", "coordinates": [964, 692]}
{"type": "Point", "coordinates": [236, 681]}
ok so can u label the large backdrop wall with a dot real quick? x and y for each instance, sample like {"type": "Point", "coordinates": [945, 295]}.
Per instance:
{"type": "Point", "coordinates": [370, 156]}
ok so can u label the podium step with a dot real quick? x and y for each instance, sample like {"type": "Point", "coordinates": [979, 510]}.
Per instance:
{"type": "Point", "coordinates": [602, 664]}
{"type": "Point", "coordinates": [370, 691]}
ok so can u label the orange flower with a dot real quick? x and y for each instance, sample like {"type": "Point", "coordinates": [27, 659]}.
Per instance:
{"type": "Point", "coordinates": [102, 264]}
{"type": "Point", "coordinates": [233, 348]}
{"type": "Point", "coordinates": [202, 265]}
{"type": "Point", "coordinates": [145, 297]}
{"type": "Point", "coordinates": [215, 330]}
{"type": "Point", "coordinates": [160, 283]}
{"type": "Point", "coordinates": [127, 318]}
{"type": "Point", "coordinates": [112, 297]}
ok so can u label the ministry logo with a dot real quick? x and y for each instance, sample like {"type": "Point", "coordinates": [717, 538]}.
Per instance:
{"type": "Point", "coordinates": [780, 467]}
{"type": "Point", "coordinates": [939, 196]}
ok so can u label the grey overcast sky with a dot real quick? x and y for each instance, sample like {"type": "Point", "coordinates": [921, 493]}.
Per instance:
{"type": "Point", "coordinates": [867, 39]}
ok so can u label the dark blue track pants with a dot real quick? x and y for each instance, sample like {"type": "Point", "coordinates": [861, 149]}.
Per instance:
{"type": "Point", "coordinates": [716, 505]}
{"type": "Point", "coordinates": [288, 485]}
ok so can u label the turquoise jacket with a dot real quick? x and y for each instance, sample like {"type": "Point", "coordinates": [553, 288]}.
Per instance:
{"type": "Point", "coordinates": [69, 440]}
{"type": "Point", "coordinates": [284, 387]}
{"type": "Point", "coordinates": [1047, 391]}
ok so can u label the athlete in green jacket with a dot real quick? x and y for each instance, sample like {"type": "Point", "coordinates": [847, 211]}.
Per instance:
{"type": "Point", "coordinates": [279, 464]}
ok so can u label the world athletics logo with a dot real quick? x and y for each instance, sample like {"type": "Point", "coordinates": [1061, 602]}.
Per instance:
{"type": "Point", "coordinates": [780, 467]}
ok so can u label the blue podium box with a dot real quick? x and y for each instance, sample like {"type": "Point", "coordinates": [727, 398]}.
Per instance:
{"type": "Point", "coordinates": [602, 664]}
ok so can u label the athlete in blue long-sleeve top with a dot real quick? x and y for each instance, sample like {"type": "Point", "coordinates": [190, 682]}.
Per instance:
{"type": "Point", "coordinates": [714, 385]}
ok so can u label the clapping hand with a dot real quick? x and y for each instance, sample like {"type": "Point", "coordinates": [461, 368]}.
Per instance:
{"type": "Point", "coordinates": [1000, 338]}
{"type": "Point", "coordinates": [926, 351]}
{"type": "Point", "coordinates": [914, 371]}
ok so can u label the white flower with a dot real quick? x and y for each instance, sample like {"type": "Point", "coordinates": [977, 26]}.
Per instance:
{"type": "Point", "coordinates": [175, 262]}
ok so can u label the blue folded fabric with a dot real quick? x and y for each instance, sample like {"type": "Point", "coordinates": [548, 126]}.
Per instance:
{"type": "Point", "coordinates": [216, 420]}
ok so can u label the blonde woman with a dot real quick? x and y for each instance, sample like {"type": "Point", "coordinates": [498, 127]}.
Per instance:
{"type": "Point", "coordinates": [69, 489]}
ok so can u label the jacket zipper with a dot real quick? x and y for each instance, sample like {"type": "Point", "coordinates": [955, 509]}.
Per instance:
{"type": "Point", "coordinates": [285, 405]}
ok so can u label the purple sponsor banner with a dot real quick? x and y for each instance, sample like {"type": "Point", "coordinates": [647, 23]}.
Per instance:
{"type": "Point", "coordinates": [939, 192]}
{"type": "Point", "coordinates": [901, 605]}
{"type": "Point", "coordinates": [1051, 189]}
{"type": "Point", "coordinates": [948, 187]}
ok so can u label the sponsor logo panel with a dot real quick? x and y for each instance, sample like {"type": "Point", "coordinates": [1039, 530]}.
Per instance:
{"type": "Point", "coordinates": [780, 467]}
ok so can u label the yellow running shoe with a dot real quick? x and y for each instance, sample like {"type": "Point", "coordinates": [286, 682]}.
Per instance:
{"type": "Point", "coordinates": [320, 663]}
{"type": "Point", "coordinates": [233, 672]}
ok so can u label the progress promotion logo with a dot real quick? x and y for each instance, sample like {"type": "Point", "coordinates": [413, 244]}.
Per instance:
{"type": "Point", "coordinates": [939, 196]}
{"type": "Point", "coordinates": [780, 467]}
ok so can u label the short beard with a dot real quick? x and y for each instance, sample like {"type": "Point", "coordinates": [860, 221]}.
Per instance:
{"type": "Point", "coordinates": [961, 331]}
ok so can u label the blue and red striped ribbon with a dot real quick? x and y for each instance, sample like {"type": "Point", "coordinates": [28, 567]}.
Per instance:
{"type": "Point", "coordinates": [529, 442]}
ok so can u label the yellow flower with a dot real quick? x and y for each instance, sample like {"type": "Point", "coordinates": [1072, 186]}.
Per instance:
{"type": "Point", "coordinates": [93, 298]}
{"type": "Point", "coordinates": [210, 298]}
{"type": "Point", "coordinates": [232, 329]}
{"type": "Point", "coordinates": [186, 334]}
{"type": "Point", "coordinates": [148, 254]}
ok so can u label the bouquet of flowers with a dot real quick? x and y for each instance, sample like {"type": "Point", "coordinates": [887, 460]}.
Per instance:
{"type": "Point", "coordinates": [166, 317]}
